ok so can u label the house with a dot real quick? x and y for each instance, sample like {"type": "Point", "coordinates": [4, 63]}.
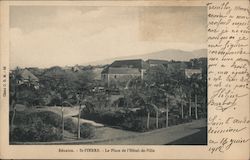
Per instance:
{"type": "Point", "coordinates": [26, 77]}
{"type": "Point", "coordinates": [192, 72]}
{"type": "Point", "coordinates": [75, 68]}
{"type": "Point", "coordinates": [123, 71]}
{"type": "Point", "coordinates": [97, 73]}
{"type": "Point", "coordinates": [156, 62]}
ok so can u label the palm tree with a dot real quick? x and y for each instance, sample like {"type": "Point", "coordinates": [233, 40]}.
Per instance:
{"type": "Point", "coordinates": [148, 92]}
{"type": "Point", "coordinates": [167, 108]}
{"type": "Point", "coordinates": [146, 102]}
{"type": "Point", "coordinates": [190, 105]}
{"type": "Point", "coordinates": [195, 90]}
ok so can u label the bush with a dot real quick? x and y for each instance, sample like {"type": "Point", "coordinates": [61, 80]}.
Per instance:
{"type": "Point", "coordinates": [22, 118]}
{"type": "Point", "coordinates": [37, 126]}
{"type": "Point", "coordinates": [87, 131]}
{"type": "Point", "coordinates": [46, 116]}
{"type": "Point", "coordinates": [37, 132]}
{"type": "Point", "coordinates": [109, 118]}
{"type": "Point", "coordinates": [69, 125]}
{"type": "Point", "coordinates": [135, 125]}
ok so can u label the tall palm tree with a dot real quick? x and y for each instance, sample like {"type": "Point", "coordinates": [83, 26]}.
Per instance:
{"type": "Point", "coordinates": [195, 90]}
{"type": "Point", "coordinates": [146, 102]}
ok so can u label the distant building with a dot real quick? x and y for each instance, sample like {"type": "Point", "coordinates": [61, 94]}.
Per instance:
{"type": "Point", "coordinates": [124, 70]}
{"type": "Point", "coordinates": [191, 72]}
{"type": "Point", "coordinates": [76, 68]}
{"type": "Point", "coordinates": [26, 77]}
{"type": "Point", "coordinates": [97, 73]}
{"type": "Point", "coordinates": [156, 62]}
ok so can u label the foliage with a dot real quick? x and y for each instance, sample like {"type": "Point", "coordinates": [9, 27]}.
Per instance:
{"type": "Point", "coordinates": [87, 131]}
{"type": "Point", "coordinates": [69, 125]}
{"type": "Point", "coordinates": [46, 117]}
{"type": "Point", "coordinates": [36, 132]}
{"type": "Point", "coordinates": [56, 86]}
{"type": "Point", "coordinates": [161, 87]}
{"type": "Point", "coordinates": [156, 74]}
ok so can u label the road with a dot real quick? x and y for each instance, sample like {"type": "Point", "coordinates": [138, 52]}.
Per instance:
{"type": "Point", "coordinates": [198, 138]}
{"type": "Point", "coordinates": [164, 135]}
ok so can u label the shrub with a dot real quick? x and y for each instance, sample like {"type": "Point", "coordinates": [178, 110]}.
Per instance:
{"type": "Point", "coordinates": [110, 118]}
{"type": "Point", "coordinates": [70, 125]}
{"type": "Point", "coordinates": [135, 125]}
{"type": "Point", "coordinates": [87, 131]}
{"type": "Point", "coordinates": [37, 126]}
{"type": "Point", "coordinates": [37, 132]}
{"type": "Point", "coordinates": [46, 116]}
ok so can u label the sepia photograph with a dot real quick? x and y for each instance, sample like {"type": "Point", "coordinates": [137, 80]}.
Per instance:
{"type": "Point", "coordinates": [108, 75]}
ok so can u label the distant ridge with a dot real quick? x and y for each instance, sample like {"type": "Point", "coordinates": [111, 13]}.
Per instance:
{"type": "Point", "coordinates": [168, 54]}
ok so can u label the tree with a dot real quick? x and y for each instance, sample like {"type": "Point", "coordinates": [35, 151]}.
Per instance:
{"type": "Point", "coordinates": [198, 87]}
{"type": "Point", "coordinates": [156, 75]}
{"type": "Point", "coordinates": [146, 99]}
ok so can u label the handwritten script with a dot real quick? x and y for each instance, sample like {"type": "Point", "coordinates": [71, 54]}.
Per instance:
{"type": "Point", "coordinates": [228, 75]}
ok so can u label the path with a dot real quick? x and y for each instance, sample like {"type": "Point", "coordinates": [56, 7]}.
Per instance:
{"type": "Point", "coordinates": [160, 136]}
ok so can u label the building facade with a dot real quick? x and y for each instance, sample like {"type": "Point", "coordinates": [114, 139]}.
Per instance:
{"type": "Point", "coordinates": [123, 70]}
{"type": "Point", "coordinates": [191, 72]}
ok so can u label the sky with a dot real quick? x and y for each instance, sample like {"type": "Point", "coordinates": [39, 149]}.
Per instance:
{"type": "Point", "coordinates": [44, 36]}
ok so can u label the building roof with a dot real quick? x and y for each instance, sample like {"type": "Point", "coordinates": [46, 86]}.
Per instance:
{"type": "Point", "coordinates": [132, 66]}
{"type": "Point", "coordinates": [156, 61]}
{"type": "Point", "coordinates": [190, 72]}
{"type": "Point", "coordinates": [27, 75]}
{"type": "Point", "coordinates": [132, 63]}
{"type": "Point", "coordinates": [120, 70]}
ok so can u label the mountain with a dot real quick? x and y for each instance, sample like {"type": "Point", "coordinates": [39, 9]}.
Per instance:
{"type": "Point", "coordinates": [169, 54]}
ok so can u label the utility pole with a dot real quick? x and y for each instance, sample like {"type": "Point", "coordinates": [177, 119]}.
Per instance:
{"type": "Point", "coordinates": [182, 114]}
{"type": "Point", "coordinates": [166, 111]}
{"type": "Point", "coordinates": [157, 117]}
{"type": "Point", "coordinates": [196, 109]}
{"type": "Point", "coordinates": [190, 106]}
{"type": "Point", "coordinates": [62, 122]}
{"type": "Point", "coordinates": [148, 118]}
{"type": "Point", "coordinates": [78, 124]}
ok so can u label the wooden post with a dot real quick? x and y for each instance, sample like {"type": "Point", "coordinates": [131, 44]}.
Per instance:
{"type": "Point", "coordinates": [157, 122]}
{"type": "Point", "coordinates": [196, 109]}
{"type": "Point", "coordinates": [182, 114]}
{"type": "Point", "coordinates": [62, 124]}
{"type": "Point", "coordinates": [148, 120]}
{"type": "Point", "coordinates": [190, 106]}
{"type": "Point", "coordinates": [166, 112]}
{"type": "Point", "coordinates": [78, 124]}
{"type": "Point", "coordinates": [167, 117]}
